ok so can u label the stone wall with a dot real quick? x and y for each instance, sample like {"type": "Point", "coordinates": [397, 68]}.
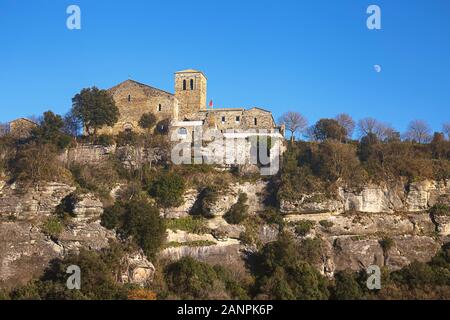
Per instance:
{"type": "Point", "coordinates": [134, 99]}
{"type": "Point", "coordinates": [21, 128]}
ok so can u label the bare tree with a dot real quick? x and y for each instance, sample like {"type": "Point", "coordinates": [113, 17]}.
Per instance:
{"type": "Point", "coordinates": [446, 129]}
{"type": "Point", "coordinates": [294, 123]}
{"type": "Point", "coordinates": [382, 131]}
{"type": "Point", "coordinates": [4, 129]}
{"type": "Point", "coordinates": [347, 122]}
{"type": "Point", "coordinates": [419, 131]}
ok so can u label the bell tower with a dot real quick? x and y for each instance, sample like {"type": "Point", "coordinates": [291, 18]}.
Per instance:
{"type": "Point", "coordinates": [190, 90]}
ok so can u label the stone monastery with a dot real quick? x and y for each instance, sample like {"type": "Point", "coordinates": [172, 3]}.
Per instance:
{"type": "Point", "coordinates": [185, 109]}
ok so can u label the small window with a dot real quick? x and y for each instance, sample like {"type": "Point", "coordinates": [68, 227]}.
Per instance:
{"type": "Point", "coordinates": [192, 84]}
{"type": "Point", "coordinates": [256, 122]}
{"type": "Point", "coordinates": [238, 119]}
{"type": "Point", "coordinates": [223, 119]}
{"type": "Point", "coordinates": [160, 108]}
{"type": "Point", "coordinates": [184, 85]}
{"type": "Point", "coordinates": [129, 98]}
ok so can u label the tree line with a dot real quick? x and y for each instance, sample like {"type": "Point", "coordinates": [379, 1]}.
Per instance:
{"type": "Point", "coordinates": [343, 127]}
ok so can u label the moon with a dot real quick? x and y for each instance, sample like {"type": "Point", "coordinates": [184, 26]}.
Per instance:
{"type": "Point", "coordinates": [377, 68]}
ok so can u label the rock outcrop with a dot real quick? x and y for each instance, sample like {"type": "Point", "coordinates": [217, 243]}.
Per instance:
{"type": "Point", "coordinates": [29, 202]}
{"type": "Point", "coordinates": [415, 197]}
{"type": "Point", "coordinates": [25, 252]}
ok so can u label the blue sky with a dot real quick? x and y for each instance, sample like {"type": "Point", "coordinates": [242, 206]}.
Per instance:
{"type": "Point", "coordinates": [315, 57]}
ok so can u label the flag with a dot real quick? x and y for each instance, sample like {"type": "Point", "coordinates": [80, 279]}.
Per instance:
{"type": "Point", "coordinates": [211, 104]}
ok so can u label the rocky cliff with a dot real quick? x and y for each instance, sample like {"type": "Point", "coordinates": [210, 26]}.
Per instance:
{"type": "Point", "coordinates": [352, 226]}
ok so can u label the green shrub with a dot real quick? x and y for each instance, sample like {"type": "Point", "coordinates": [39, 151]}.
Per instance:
{"type": "Point", "coordinates": [193, 244]}
{"type": "Point", "coordinates": [387, 244]}
{"type": "Point", "coordinates": [346, 287]}
{"type": "Point", "coordinates": [272, 216]}
{"type": "Point", "coordinates": [52, 227]}
{"type": "Point", "coordinates": [98, 282]}
{"type": "Point", "coordinates": [104, 140]}
{"type": "Point", "coordinates": [238, 211]}
{"type": "Point", "coordinates": [139, 220]}
{"type": "Point", "coordinates": [191, 279]}
{"type": "Point", "coordinates": [302, 228]}
{"type": "Point", "coordinates": [326, 224]}
{"type": "Point", "coordinates": [189, 224]}
{"type": "Point", "coordinates": [440, 210]}
{"type": "Point", "coordinates": [284, 271]}
{"type": "Point", "coordinates": [205, 200]}
{"type": "Point", "coordinates": [168, 189]}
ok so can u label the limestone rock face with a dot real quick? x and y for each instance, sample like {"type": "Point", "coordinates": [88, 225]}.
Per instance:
{"type": "Point", "coordinates": [370, 224]}
{"type": "Point", "coordinates": [28, 202]}
{"type": "Point", "coordinates": [184, 237]}
{"type": "Point", "coordinates": [85, 235]}
{"type": "Point", "coordinates": [87, 207]}
{"type": "Point", "coordinates": [189, 199]}
{"type": "Point", "coordinates": [256, 193]}
{"type": "Point", "coordinates": [414, 198]}
{"type": "Point", "coordinates": [85, 230]}
{"type": "Point", "coordinates": [24, 253]}
{"type": "Point", "coordinates": [443, 225]}
{"type": "Point", "coordinates": [219, 253]}
{"type": "Point", "coordinates": [409, 248]}
{"type": "Point", "coordinates": [135, 157]}
{"type": "Point", "coordinates": [354, 254]}
{"type": "Point", "coordinates": [313, 203]}
{"type": "Point", "coordinates": [137, 269]}
{"type": "Point", "coordinates": [371, 199]}
{"type": "Point", "coordinates": [87, 154]}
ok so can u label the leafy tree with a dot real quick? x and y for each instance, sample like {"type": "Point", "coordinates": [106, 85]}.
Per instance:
{"type": "Point", "coordinates": [365, 147]}
{"type": "Point", "coordinates": [140, 221]}
{"type": "Point", "coordinates": [347, 287]}
{"type": "Point", "coordinates": [168, 189]}
{"type": "Point", "coordinates": [294, 123]}
{"type": "Point", "coordinates": [282, 273]}
{"type": "Point", "coordinates": [335, 161]}
{"type": "Point", "coordinates": [72, 124]}
{"type": "Point", "coordinates": [147, 121]}
{"type": "Point", "coordinates": [238, 211]}
{"type": "Point", "coordinates": [97, 281]}
{"type": "Point", "coordinates": [191, 279]}
{"type": "Point", "coordinates": [95, 108]}
{"type": "Point", "coordinates": [326, 129]}
{"type": "Point", "coordinates": [50, 130]}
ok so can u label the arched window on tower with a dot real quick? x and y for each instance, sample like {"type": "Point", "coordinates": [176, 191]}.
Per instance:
{"type": "Point", "coordinates": [184, 84]}
{"type": "Point", "coordinates": [256, 121]}
{"type": "Point", "coordinates": [192, 84]}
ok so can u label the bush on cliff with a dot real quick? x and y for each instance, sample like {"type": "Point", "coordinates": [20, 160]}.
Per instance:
{"type": "Point", "coordinates": [283, 272]}
{"type": "Point", "coordinates": [192, 279]}
{"type": "Point", "coordinates": [35, 162]}
{"type": "Point", "coordinates": [168, 188]}
{"type": "Point", "coordinates": [98, 279]}
{"type": "Point", "coordinates": [239, 211]}
{"type": "Point", "coordinates": [139, 220]}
